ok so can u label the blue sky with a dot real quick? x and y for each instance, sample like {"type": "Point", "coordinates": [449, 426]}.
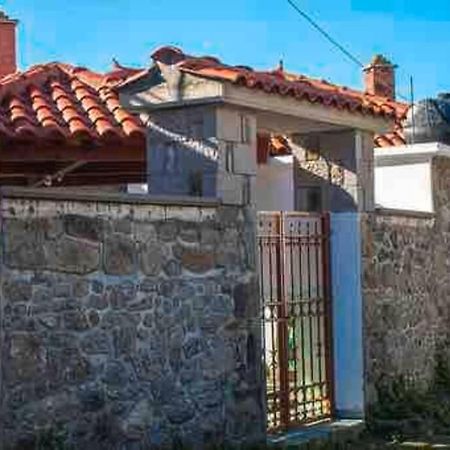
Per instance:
{"type": "Point", "coordinates": [414, 34]}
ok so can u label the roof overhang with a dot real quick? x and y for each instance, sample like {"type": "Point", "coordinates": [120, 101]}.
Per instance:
{"type": "Point", "coordinates": [176, 89]}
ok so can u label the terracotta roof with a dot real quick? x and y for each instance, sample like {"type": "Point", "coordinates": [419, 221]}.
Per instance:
{"type": "Point", "coordinates": [396, 137]}
{"type": "Point", "coordinates": [282, 83]}
{"type": "Point", "coordinates": [61, 102]}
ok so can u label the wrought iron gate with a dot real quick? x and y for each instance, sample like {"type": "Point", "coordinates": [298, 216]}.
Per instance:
{"type": "Point", "coordinates": [294, 286]}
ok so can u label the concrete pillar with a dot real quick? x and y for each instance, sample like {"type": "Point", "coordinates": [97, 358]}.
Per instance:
{"type": "Point", "coordinates": [205, 151]}
{"type": "Point", "coordinates": [334, 169]}
{"type": "Point", "coordinates": [236, 133]}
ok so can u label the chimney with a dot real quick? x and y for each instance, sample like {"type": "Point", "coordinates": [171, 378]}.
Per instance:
{"type": "Point", "coordinates": [379, 77]}
{"type": "Point", "coordinates": [8, 63]}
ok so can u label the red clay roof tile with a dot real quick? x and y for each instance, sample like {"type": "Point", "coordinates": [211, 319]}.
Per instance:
{"type": "Point", "coordinates": [61, 102]}
{"type": "Point", "coordinates": [58, 101]}
{"type": "Point", "coordinates": [282, 83]}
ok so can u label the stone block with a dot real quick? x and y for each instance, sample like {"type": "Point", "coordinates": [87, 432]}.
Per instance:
{"type": "Point", "coordinates": [85, 227]}
{"type": "Point", "coordinates": [73, 255]}
{"type": "Point", "coordinates": [120, 255]}
{"type": "Point", "coordinates": [153, 256]}
{"type": "Point", "coordinates": [195, 259]}
{"type": "Point", "coordinates": [16, 290]}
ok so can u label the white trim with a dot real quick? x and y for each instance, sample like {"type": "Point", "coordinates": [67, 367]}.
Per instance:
{"type": "Point", "coordinates": [410, 154]}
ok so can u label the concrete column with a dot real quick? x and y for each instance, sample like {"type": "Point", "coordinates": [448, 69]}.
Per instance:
{"type": "Point", "coordinates": [205, 151]}
{"type": "Point", "coordinates": [236, 133]}
{"type": "Point", "coordinates": [337, 164]}
{"type": "Point", "coordinates": [183, 152]}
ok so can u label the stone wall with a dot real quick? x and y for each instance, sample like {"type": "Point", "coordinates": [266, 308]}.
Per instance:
{"type": "Point", "coordinates": [129, 326]}
{"type": "Point", "coordinates": [406, 289]}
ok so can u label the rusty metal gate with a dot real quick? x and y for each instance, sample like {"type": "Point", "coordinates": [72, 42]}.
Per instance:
{"type": "Point", "coordinates": [295, 291]}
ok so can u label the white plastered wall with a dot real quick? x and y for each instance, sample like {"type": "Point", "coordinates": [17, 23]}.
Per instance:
{"type": "Point", "coordinates": [275, 185]}
{"type": "Point", "coordinates": [403, 176]}
{"type": "Point", "coordinates": [404, 186]}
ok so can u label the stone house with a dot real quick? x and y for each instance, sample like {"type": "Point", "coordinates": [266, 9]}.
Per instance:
{"type": "Point", "coordinates": [135, 320]}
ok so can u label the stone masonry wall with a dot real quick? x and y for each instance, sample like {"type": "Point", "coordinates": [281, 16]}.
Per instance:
{"type": "Point", "coordinates": [406, 288]}
{"type": "Point", "coordinates": [129, 326]}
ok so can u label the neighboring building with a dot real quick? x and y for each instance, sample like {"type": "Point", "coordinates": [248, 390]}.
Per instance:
{"type": "Point", "coordinates": [404, 169]}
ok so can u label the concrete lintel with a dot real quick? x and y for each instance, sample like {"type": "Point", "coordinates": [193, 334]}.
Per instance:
{"type": "Point", "coordinates": [148, 106]}
{"type": "Point", "coordinates": [249, 98]}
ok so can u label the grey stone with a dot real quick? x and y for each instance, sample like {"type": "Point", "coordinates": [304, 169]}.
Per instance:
{"type": "Point", "coordinates": [49, 321]}
{"type": "Point", "coordinates": [189, 233]}
{"type": "Point", "coordinates": [120, 295]}
{"type": "Point", "coordinates": [168, 230]}
{"type": "Point", "coordinates": [193, 346]}
{"type": "Point", "coordinates": [124, 340]}
{"type": "Point", "coordinates": [91, 397]}
{"type": "Point", "coordinates": [85, 227]}
{"type": "Point", "coordinates": [23, 244]}
{"type": "Point", "coordinates": [17, 290]}
{"type": "Point", "coordinates": [111, 319]}
{"type": "Point", "coordinates": [152, 257]}
{"type": "Point", "coordinates": [246, 300]}
{"type": "Point", "coordinates": [97, 286]}
{"type": "Point", "coordinates": [96, 342]}
{"type": "Point", "coordinates": [141, 304]}
{"type": "Point", "coordinates": [172, 268]}
{"type": "Point", "coordinates": [62, 290]}
{"type": "Point", "coordinates": [180, 410]}
{"type": "Point", "coordinates": [197, 260]}
{"type": "Point", "coordinates": [26, 358]}
{"type": "Point", "coordinates": [73, 255]}
{"type": "Point", "coordinates": [75, 320]}
{"type": "Point", "coordinates": [116, 374]}
{"type": "Point", "coordinates": [81, 287]}
{"type": "Point", "coordinates": [149, 285]}
{"type": "Point", "coordinates": [120, 255]}
{"type": "Point", "coordinates": [97, 301]}
{"type": "Point", "coordinates": [124, 225]}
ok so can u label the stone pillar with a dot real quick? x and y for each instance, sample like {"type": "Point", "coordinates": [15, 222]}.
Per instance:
{"type": "Point", "coordinates": [334, 171]}
{"type": "Point", "coordinates": [204, 151]}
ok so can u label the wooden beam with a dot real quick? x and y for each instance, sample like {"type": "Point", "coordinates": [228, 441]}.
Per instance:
{"type": "Point", "coordinates": [59, 175]}
{"type": "Point", "coordinates": [27, 153]}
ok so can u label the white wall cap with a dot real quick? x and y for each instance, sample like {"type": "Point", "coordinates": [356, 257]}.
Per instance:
{"type": "Point", "coordinates": [410, 154]}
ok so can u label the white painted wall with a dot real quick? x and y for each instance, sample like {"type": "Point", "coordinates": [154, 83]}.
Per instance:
{"type": "Point", "coordinates": [274, 190]}
{"type": "Point", "coordinates": [403, 175]}
{"type": "Point", "coordinates": [404, 186]}
{"type": "Point", "coordinates": [347, 315]}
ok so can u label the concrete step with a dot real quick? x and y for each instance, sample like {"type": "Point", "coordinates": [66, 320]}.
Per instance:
{"type": "Point", "coordinates": [321, 436]}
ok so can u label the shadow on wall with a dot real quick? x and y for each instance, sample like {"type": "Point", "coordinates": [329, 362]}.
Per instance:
{"type": "Point", "coordinates": [320, 191]}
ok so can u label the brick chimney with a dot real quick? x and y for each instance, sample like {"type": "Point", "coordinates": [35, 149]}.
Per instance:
{"type": "Point", "coordinates": [379, 77]}
{"type": "Point", "coordinates": [8, 61]}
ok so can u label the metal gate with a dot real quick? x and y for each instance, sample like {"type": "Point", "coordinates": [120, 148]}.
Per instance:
{"type": "Point", "coordinates": [294, 286]}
